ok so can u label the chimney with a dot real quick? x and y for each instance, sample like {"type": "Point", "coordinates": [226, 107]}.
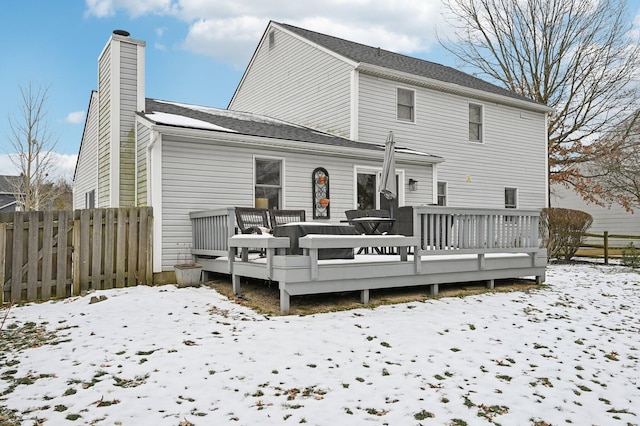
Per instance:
{"type": "Point", "coordinates": [120, 96]}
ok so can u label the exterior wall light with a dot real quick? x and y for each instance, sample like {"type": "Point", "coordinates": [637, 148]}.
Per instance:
{"type": "Point", "coordinates": [413, 185]}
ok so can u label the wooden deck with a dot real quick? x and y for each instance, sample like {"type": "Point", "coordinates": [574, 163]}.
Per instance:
{"type": "Point", "coordinates": [478, 245]}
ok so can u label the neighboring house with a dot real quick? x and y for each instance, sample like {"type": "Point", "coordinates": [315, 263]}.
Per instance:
{"type": "Point", "coordinates": [308, 102]}
{"type": "Point", "coordinates": [8, 187]}
{"type": "Point", "coordinates": [613, 219]}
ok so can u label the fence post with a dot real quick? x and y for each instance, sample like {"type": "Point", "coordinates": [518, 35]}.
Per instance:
{"type": "Point", "coordinates": [77, 248]}
{"type": "Point", "coordinates": [606, 247]}
{"type": "Point", "coordinates": [3, 245]}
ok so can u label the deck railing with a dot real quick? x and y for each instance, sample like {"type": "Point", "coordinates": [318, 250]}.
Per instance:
{"type": "Point", "coordinates": [211, 230]}
{"type": "Point", "coordinates": [442, 229]}
{"type": "Point", "coordinates": [475, 230]}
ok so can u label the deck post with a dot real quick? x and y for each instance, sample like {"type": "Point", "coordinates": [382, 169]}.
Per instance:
{"type": "Point", "coordinates": [284, 301]}
{"type": "Point", "coordinates": [540, 278]}
{"type": "Point", "coordinates": [364, 297]}
{"type": "Point", "coordinates": [235, 283]}
{"type": "Point", "coordinates": [433, 289]}
{"type": "Point", "coordinates": [490, 284]}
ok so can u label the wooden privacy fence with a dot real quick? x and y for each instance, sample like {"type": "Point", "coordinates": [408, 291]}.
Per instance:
{"type": "Point", "coordinates": [54, 254]}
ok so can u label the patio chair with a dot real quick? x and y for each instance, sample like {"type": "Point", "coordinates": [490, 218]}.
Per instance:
{"type": "Point", "coordinates": [252, 220]}
{"type": "Point", "coordinates": [354, 214]}
{"type": "Point", "coordinates": [282, 217]}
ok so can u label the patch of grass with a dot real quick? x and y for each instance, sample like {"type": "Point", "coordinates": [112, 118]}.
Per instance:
{"type": "Point", "coordinates": [130, 383]}
{"type": "Point", "coordinates": [9, 417]}
{"type": "Point", "coordinates": [264, 298]}
{"type": "Point", "coordinates": [423, 415]}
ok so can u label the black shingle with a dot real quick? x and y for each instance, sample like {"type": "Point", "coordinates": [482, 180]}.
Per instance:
{"type": "Point", "coordinates": [394, 61]}
{"type": "Point", "coordinates": [253, 125]}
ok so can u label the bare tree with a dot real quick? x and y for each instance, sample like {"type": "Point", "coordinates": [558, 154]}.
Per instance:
{"type": "Point", "coordinates": [31, 149]}
{"type": "Point", "coordinates": [580, 57]}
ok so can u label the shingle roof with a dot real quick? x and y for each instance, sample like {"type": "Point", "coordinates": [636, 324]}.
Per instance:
{"type": "Point", "coordinates": [394, 61]}
{"type": "Point", "coordinates": [248, 124]}
{"type": "Point", "coordinates": [8, 184]}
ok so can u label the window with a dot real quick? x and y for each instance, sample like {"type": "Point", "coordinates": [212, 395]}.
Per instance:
{"type": "Point", "coordinates": [367, 193]}
{"type": "Point", "coordinates": [406, 105]}
{"type": "Point", "coordinates": [510, 198]}
{"type": "Point", "coordinates": [442, 193]}
{"type": "Point", "coordinates": [268, 189]}
{"type": "Point", "coordinates": [272, 40]}
{"type": "Point", "coordinates": [90, 199]}
{"type": "Point", "coordinates": [475, 123]}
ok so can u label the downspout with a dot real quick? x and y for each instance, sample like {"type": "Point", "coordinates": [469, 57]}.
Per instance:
{"type": "Point", "coordinates": [155, 201]}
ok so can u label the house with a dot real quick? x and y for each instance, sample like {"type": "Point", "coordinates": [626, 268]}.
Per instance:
{"type": "Point", "coordinates": [493, 141]}
{"type": "Point", "coordinates": [8, 187]}
{"type": "Point", "coordinates": [613, 219]}
{"type": "Point", "coordinates": [306, 102]}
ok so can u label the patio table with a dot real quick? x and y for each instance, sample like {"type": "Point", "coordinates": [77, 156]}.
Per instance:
{"type": "Point", "coordinates": [295, 230]}
{"type": "Point", "coordinates": [370, 225]}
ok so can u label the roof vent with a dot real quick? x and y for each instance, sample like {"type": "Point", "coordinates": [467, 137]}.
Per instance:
{"type": "Point", "coordinates": [121, 33]}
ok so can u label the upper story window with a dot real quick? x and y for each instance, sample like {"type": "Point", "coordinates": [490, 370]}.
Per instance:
{"type": "Point", "coordinates": [406, 105]}
{"type": "Point", "coordinates": [268, 189]}
{"type": "Point", "coordinates": [475, 123]}
{"type": "Point", "coordinates": [510, 198]}
{"type": "Point", "coordinates": [272, 39]}
{"type": "Point", "coordinates": [442, 193]}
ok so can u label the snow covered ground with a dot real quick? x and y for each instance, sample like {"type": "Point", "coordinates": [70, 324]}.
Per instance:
{"type": "Point", "coordinates": [562, 354]}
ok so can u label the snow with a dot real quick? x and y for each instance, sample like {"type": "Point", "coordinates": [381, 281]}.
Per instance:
{"type": "Point", "coordinates": [179, 120]}
{"type": "Point", "coordinates": [231, 114]}
{"type": "Point", "coordinates": [563, 353]}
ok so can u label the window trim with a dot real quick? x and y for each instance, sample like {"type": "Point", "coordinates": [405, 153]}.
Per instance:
{"type": "Point", "coordinates": [481, 123]}
{"type": "Point", "coordinates": [445, 195]}
{"type": "Point", "coordinates": [90, 199]}
{"type": "Point", "coordinates": [281, 187]}
{"type": "Point", "coordinates": [413, 110]}
{"type": "Point", "coordinates": [377, 171]}
{"type": "Point", "coordinates": [515, 191]}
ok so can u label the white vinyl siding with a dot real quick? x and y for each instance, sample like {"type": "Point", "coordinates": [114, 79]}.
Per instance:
{"type": "Point", "coordinates": [475, 173]}
{"type": "Point", "coordinates": [214, 174]}
{"type": "Point", "coordinates": [143, 135]}
{"type": "Point", "coordinates": [86, 176]}
{"type": "Point", "coordinates": [297, 83]}
{"type": "Point", "coordinates": [104, 132]}
{"type": "Point", "coordinates": [128, 103]}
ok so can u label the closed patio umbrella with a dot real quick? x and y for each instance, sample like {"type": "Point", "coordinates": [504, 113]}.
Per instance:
{"type": "Point", "coordinates": [388, 181]}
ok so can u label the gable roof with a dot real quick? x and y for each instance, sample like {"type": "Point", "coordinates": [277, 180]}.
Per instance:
{"type": "Point", "coordinates": [189, 116]}
{"type": "Point", "coordinates": [363, 54]}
